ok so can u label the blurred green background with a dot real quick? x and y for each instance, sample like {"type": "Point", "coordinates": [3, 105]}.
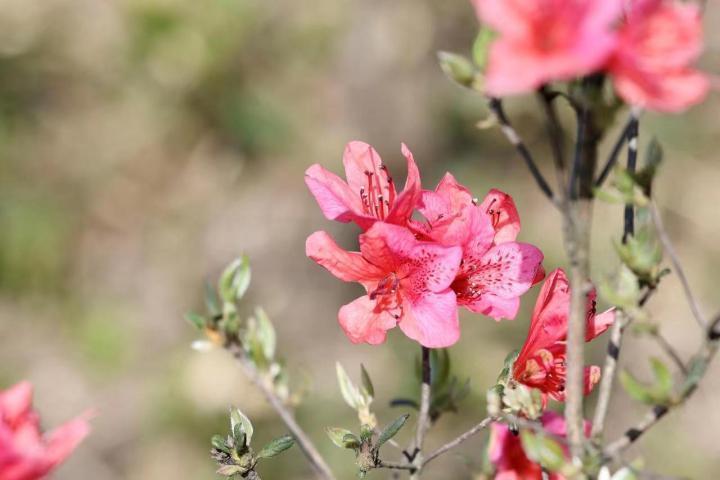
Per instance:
{"type": "Point", "coordinates": [146, 143]}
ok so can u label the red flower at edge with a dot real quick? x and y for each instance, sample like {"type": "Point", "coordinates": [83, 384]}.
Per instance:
{"type": "Point", "coordinates": [541, 362]}
{"type": "Point", "coordinates": [26, 453]}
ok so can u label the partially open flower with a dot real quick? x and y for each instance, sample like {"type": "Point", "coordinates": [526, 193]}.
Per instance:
{"type": "Point", "coordinates": [541, 362]}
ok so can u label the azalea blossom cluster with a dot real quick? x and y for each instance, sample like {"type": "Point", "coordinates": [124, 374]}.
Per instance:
{"type": "Point", "coordinates": [647, 47]}
{"type": "Point", "coordinates": [463, 253]}
{"type": "Point", "coordinates": [25, 452]}
{"type": "Point", "coordinates": [416, 273]}
{"type": "Point", "coordinates": [460, 252]}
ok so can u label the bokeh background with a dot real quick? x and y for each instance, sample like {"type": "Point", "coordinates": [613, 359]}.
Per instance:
{"type": "Point", "coordinates": [146, 143]}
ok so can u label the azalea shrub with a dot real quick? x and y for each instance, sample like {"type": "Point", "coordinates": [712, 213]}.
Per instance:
{"type": "Point", "coordinates": [421, 255]}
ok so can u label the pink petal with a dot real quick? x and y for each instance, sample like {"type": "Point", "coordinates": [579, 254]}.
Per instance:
{"type": "Point", "coordinates": [347, 266]}
{"type": "Point", "coordinates": [505, 219]}
{"type": "Point", "coordinates": [334, 197]}
{"type": "Point", "coordinates": [426, 265]}
{"type": "Point", "coordinates": [362, 324]}
{"type": "Point", "coordinates": [360, 159]}
{"type": "Point", "coordinates": [498, 436]}
{"type": "Point", "coordinates": [432, 320]}
{"type": "Point", "coordinates": [495, 307]}
{"type": "Point", "coordinates": [550, 315]}
{"type": "Point", "coordinates": [434, 267]}
{"type": "Point", "coordinates": [16, 402]}
{"type": "Point", "coordinates": [508, 270]}
{"type": "Point", "coordinates": [63, 440]}
{"type": "Point", "coordinates": [598, 323]}
{"type": "Point", "coordinates": [592, 377]}
{"type": "Point", "coordinates": [662, 91]}
{"type": "Point", "coordinates": [405, 203]}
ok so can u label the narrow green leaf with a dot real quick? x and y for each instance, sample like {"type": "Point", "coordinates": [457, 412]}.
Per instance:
{"type": "Point", "coordinates": [663, 377]}
{"type": "Point", "coordinates": [276, 446]}
{"type": "Point", "coordinates": [481, 47]}
{"type": "Point", "coordinates": [543, 450]}
{"type": "Point", "coordinates": [391, 430]}
{"type": "Point", "coordinates": [457, 68]}
{"type": "Point", "coordinates": [196, 320]}
{"type": "Point", "coordinates": [337, 435]}
{"type": "Point", "coordinates": [635, 389]}
{"type": "Point", "coordinates": [349, 391]}
{"type": "Point", "coordinates": [266, 334]}
{"type": "Point", "coordinates": [351, 441]}
{"type": "Point", "coordinates": [238, 419]}
{"type": "Point", "coordinates": [366, 382]}
{"type": "Point", "coordinates": [218, 442]}
{"type": "Point", "coordinates": [235, 280]}
{"type": "Point", "coordinates": [211, 300]}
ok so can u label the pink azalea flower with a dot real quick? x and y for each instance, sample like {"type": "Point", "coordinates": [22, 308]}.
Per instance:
{"type": "Point", "coordinates": [369, 194]}
{"type": "Point", "coordinates": [546, 40]}
{"type": "Point", "coordinates": [659, 40]}
{"type": "Point", "coordinates": [25, 452]}
{"type": "Point", "coordinates": [541, 362]}
{"type": "Point", "coordinates": [496, 270]}
{"type": "Point", "coordinates": [407, 283]}
{"type": "Point", "coordinates": [508, 457]}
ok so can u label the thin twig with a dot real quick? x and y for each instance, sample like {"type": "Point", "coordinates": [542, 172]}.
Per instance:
{"type": "Point", "coordinates": [608, 373]}
{"type": "Point", "coordinates": [308, 448]}
{"type": "Point", "coordinates": [696, 367]}
{"type": "Point", "coordinates": [458, 440]}
{"type": "Point", "coordinates": [615, 152]}
{"type": "Point", "coordinates": [512, 136]}
{"type": "Point", "coordinates": [632, 135]}
{"type": "Point", "coordinates": [423, 422]}
{"type": "Point", "coordinates": [575, 169]}
{"type": "Point", "coordinates": [555, 134]}
{"type": "Point", "coordinates": [670, 351]}
{"type": "Point", "coordinates": [675, 260]}
{"type": "Point", "coordinates": [395, 465]}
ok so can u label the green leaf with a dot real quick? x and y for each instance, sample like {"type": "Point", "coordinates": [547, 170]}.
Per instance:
{"type": "Point", "coordinates": [196, 320]}
{"type": "Point", "coordinates": [623, 290]}
{"type": "Point", "coordinates": [218, 442]}
{"type": "Point", "coordinates": [481, 47]}
{"type": "Point", "coordinates": [276, 446]}
{"type": "Point", "coordinates": [266, 334]}
{"type": "Point", "coordinates": [543, 450]}
{"type": "Point", "coordinates": [661, 390]}
{"type": "Point", "coordinates": [235, 280]}
{"type": "Point", "coordinates": [457, 68]}
{"type": "Point", "coordinates": [349, 391]}
{"type": "Point", "coordinates": [238, 420]}
{"type": "Point", "coordinates": [663, 377]}
{"type": "Point", "coordinates": [391, 430]}
{"type": "Point", "coordinates": [338, 436]}
{"type": "Point", "coordinates": [211, 301]}
{"type": "Point", "coordinates": [366, 382]}
{"type": "Point", "coordinates": [351, 441]}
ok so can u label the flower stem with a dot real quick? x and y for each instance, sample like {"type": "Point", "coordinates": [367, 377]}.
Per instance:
{"type": "Point", "coordinates": [513, 137]}
{"type": "Point", "coordinates": [423, 423]}
{"type": "Point", "coordinates": [308, 448]}
{"type": "Point", "coordinates": [459, 439]}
